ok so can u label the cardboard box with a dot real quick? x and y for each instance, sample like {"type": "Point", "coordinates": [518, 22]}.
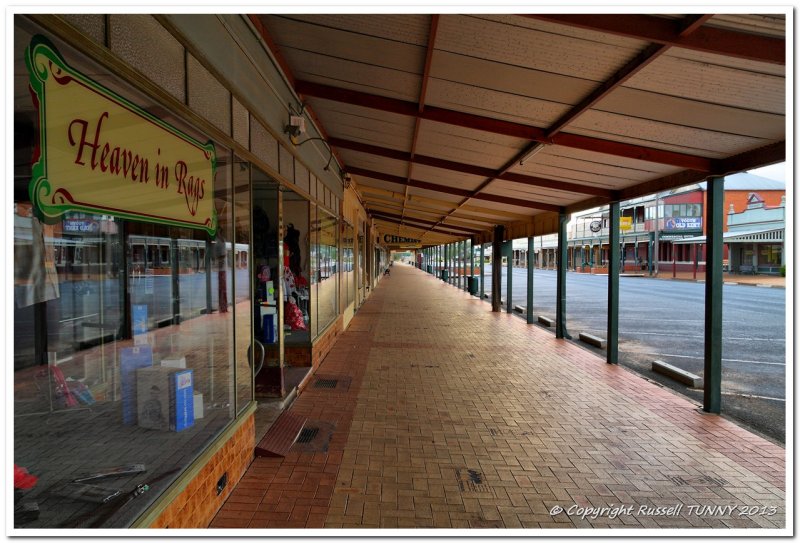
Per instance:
{"type": "Point", "coordinates": [199, 411]}
{"type": "Point", "coordinates": [165, 398]}
{"type": "Point", "coordinates": [174, 362]}
{"type": "Point", "coordinates": [131, 360]}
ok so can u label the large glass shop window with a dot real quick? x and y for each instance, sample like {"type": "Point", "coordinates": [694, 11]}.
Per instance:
{"type": "Point", "coordinates": [327, 250]}
{"type": "Point", "coordinates": [126, 364]}
{"type": "Point", "coordinates": [349, 282]}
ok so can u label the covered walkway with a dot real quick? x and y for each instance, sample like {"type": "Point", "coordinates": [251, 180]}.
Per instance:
{"type": "Point", "coordinates": [446, 415]}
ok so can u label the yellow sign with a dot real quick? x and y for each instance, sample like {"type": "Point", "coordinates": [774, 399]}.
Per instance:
{"type": "Point", "coordinates": [625, 223]}
{"type": "Point", "coordinates": [100, 153]}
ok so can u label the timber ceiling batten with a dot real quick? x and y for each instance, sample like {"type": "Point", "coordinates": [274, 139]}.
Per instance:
{"type": "Point", "coordinates": [531, 114]}
{"type": "Point", "coordinates": [422, 91]}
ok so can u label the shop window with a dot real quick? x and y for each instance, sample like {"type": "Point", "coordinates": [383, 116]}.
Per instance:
{"type": "Point", "coordinates": [349, 282]}
{"type": "Point", "coordinates": [108, 312]}
{"type": "Point", "coordinates": [327, 272]}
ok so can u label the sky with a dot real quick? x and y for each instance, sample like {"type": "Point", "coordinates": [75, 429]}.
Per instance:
{"type": "Point", "coordinates": [776, 171]}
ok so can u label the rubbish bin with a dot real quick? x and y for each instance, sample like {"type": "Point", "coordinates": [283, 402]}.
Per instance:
{"type": "Point", "coordinates": [472, 285]}
{"type": "Point", "coordinates": [430, 268]}
{"type": "Point", "coordinates": [445, 275]}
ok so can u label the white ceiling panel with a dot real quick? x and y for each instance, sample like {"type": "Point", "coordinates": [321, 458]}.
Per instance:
{"type": "Point", "coordinates": [467, 145]}
{"type": "Point", "coordinates": [705, 82]}
{"type": "Point", "coordinates": [513, 80]}
{"type": "Point", "coordinates": [448, 177]}
{"type": "Point", "coordinates": [292, 34]}
{"type": "Point", "coordinates": [373, 125]}
{"type": "Point", "coordinates": [518, 46]}
{"type": "Point", "coordinates": [434, 194]}
{"type": "Point", "coordinates": [663, 135]}
{"type": "Point", "coordinates": [320, 68]}
{"type": "Point", "coordinates": [493, 104]}
{"type": "Point", "coordinates": [525, 192]}
{"type": "Point", "coordinates": [409, 28]}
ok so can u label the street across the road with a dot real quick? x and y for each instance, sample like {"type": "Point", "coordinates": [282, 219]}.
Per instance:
{"type": "Point", "coordinates": [663, 320]}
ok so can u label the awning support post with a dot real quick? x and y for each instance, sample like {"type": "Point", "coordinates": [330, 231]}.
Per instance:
{"type": "Point", "coordinates": [712, 377]}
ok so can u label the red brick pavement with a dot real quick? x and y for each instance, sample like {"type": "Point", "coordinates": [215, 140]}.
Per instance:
{"type": "Point", "coordinates": [456, 417]}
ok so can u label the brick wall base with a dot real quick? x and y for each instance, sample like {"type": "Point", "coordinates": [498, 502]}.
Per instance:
{"type": "Point", "coordinates": [197, 505]}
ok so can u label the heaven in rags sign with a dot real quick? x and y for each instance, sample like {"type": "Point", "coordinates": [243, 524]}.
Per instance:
{"type": "Point", "coordinates": [100, 153]}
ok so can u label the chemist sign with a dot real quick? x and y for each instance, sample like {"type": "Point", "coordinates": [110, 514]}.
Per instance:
{"type": "Point", "coordinates": [401, 242]}
{"type": "Point", "coordinates": [99, 153]}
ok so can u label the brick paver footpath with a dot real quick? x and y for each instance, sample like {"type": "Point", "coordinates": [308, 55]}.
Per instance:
{"type": "Point", "coordinates": [449, 416]}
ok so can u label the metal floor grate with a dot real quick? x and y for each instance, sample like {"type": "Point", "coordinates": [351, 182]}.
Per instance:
{"type": "Point", "coordinates": [326, 383]}
{"type": "Point", "coordinates": [307, 435]}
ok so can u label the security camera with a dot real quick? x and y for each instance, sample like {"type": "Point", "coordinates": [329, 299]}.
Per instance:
{"type": "Point", "coordinates": [346, 179]}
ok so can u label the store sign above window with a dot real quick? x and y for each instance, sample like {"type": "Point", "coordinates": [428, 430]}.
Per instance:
{"type": "Point", "coordinates": [401, 242]}
{"type": "Point", "coordinates": [683, 223]}
{"type": "Point", "coordinates": [100, 153]}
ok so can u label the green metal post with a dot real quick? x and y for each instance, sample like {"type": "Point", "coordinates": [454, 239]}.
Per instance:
{"type": "Point", "coordinates": [712, 377]}
{"type": "Point", "coordinates": [612, 336]}
{"type": "Point", "coordinates": [446, 261]}
{"type": "Point", "coordinates": [529, 307]}
{"type": "Point", "coordinates": [509, 274]}
{"type": "Point", "coordinates": [561, 279]}
{"type": "Point", "coordinates": [497, 262]}
{"type": "Point", "coordinates": [481, 290]}
{"type": "Point", "coordinates": [471, 261]}
{"type": "Point", "coordinates": [460, 265]}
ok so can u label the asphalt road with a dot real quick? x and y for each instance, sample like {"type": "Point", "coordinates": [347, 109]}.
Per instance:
{"type": "Point", "coordinates": [663, 320]}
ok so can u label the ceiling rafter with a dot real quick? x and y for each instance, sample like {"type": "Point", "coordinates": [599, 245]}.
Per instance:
{"type": "Point", "coordinates": [498, 126]}
{"type": "Point", "coordinates": [688, 25]}
{"type": "Point", "coordinates": [452, 190]}
{"type": "Point", "coordinates": [473, 229]}
{"type": "Point", "coordinates": [443, 203]}
{"type": "Point", "coordinates": [392, 206]}
{"type": "Point", "coordinates": [421, 229]}
{"type": "Point", "coordinates": [470, 169]}
{"type": "Point", "coordinates": [422, 93]}
{"type": "Point", "coordinates": [424, 222]}
{"type": "Point", "coordinates": [664, 31]}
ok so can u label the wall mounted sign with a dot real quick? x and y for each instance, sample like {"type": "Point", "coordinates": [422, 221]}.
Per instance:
{"type": "Point", "coordinates": [399, 242]}
{"type": "Point", "coordinates": [625, 223]}
{"type": "Point", "coordinates": [683, 223]}
{"type": "Point", "coordinates": [99, 153]}
{"type": "Point", "coordinates": [595, 226]}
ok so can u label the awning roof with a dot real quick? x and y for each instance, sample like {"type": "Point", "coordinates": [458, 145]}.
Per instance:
{"type": "Point", "coordinates": [450, 124]}
{"type": "Point", "coordinates": [754, 235]}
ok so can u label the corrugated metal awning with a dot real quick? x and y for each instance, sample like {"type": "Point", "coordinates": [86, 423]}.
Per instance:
{"type": "Point", "coordinates": [451, 124]}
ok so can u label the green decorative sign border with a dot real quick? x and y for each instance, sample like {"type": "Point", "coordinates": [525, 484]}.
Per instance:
{"type": "Point", "coordinates": [40, 188]}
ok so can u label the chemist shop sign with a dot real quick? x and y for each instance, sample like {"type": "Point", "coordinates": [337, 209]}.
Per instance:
{"type": "Point", "coordinates": [401, 242]}
{"type": "Point", "coordinates": [100, 153]}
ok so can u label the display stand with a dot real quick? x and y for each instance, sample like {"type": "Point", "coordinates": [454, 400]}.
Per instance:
{"type": "Point", "coordinates": [73, 405]}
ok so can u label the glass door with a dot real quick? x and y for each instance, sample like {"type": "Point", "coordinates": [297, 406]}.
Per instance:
{"type": "Point", "coordinates": [267, 287]}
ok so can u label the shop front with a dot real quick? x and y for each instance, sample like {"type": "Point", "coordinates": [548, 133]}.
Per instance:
{"type": "Point", "coordinates": [176, 262]}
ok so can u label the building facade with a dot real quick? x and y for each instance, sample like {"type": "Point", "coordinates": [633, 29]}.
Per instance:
{"type": "Point", "coordinates": [180, 256]}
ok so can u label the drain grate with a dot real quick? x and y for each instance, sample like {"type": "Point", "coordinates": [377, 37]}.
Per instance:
{"type": "Point", "coordinates": [701, 480]}
{"type": "Point", "coordinates": [326, 383]}
{"type": "Point", "coordinates": [307, 435]}
{"type": "Point", "coordinates": [471, 480]}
